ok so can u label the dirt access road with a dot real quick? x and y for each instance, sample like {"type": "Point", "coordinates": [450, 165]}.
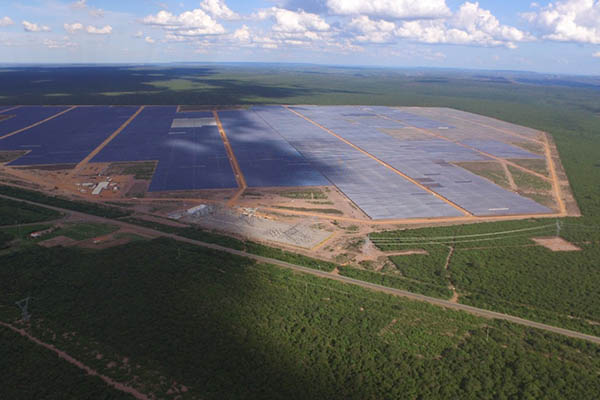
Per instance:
{"type": "Point", "coordinates": [322, 274]}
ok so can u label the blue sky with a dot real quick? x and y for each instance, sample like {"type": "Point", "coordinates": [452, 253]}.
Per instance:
{"type": "Point", "coordinates": [560, 36]}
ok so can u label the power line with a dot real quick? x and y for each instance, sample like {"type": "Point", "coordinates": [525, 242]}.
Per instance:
{"type": "Point", "coordinates": [467, 236]}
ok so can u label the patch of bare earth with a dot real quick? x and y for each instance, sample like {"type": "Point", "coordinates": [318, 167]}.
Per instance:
{"type": "Point", "coordinates": [556, 244]}
{"type": "Point", "coordinates": [58, 241]}
{"type": "Point", "coordinates": [406, 252]}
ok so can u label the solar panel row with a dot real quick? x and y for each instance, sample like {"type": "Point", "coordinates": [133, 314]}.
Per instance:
{"type": "Point", "coordinates": [68, 138]}
{"type": "Point", "coordinates": [417, 160]}
{"type": "Point", "coordinates": [24, 116]}
{"type": "Point", "coordinates": [264, 156]}
{"type": "Point", "coordinates": [377, 190]}
{"type": "Point", "coordinates": [189, 158]}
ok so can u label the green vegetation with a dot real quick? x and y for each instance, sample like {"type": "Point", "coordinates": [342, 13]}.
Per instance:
{"type": "Point", "coordinates": [536, 165]}
{"type": "Point", "coordinates": [18, 212]}
{"type": "Point", "coordinates": [83, 231]}
{"type": "Point", "coordinates": [397, 282]}
{"type": "Point", "coordinates": [20, 237]}
{"type": "Point", "coordinates": [6, 156]}
{"type": "Point", "coordinates": [143, 170]}
{"type": "Point", "coordinates": [533, 147]}
{"type": "Point", "coordinates": [237, 244]}
{"type": "Point", "coordinates": [315, 210]}
{"type": "Point", "coordinates": [5, 239]}
{"type": "Point", "coordinates": [527, 181]}
{"type": "Point", "coordinates": [428, 267]}
{"type": "Point", "coordinates": [497, 266]}
{"type": "Point", "coordinates": [490, 170]}
{"type": "Point", "coordinates": [304, 194]}
{"type": "Point", "coordinates": [84, 207]}
{"type": "Point", "coordinates": [265, 332]}
{"type": "Point", "coordinates": [37, 373]}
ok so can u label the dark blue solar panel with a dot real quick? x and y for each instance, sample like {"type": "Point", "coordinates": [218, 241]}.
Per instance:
{"type": "Point", "coordinates": [188, 158]}
{"type": "Point", "coordinates": [68, 138]}
{"type": "Point", "coordinates": [265, 157]}
{"type": "Point", "coordinates": [24, 116]}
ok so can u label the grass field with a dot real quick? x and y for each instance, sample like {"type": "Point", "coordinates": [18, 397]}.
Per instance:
{"type": "Point", "coordinates": [267, 332]}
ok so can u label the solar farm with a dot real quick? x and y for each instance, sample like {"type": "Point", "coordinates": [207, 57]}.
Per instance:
{"type": "Point", "coordinates": [358, 164]}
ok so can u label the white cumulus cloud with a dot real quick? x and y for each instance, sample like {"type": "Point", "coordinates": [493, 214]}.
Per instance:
{"type": "Point", "coordinates": [32, 27]}
{"type": "Point", "coordinates": [149, 40]}
{"type": "Point", "coordinates": [72, 28]}
{"type": "Point", "coordinates": [596, 54]}
{"type": "Point", "coordinates": [63, 43]}
{"type": "Point", "coordinates": [93, 30]}
{"type": "Point", "coordinates": [105, 30]}
{"type": "Point", "coordinates": [294, 21]}
{"type": "Point", "coordinates": [218, 9]}
{"type": "Point", "coordinates": [190, 23]}
{"type": "Point", "coordinates": [372, 31]}
{"type": "Point", "coordinates": [242, 34]}
{"type": "Point", "coordinates": [568, 21]}
{"type": "Point", "coordinates": [470, 25]}
{"type": "Point", "coordinates": [390, 9]}
{"type": "Point", "coordinates": [6, 21]}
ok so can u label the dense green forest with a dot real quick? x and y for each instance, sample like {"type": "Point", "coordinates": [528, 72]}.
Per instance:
{"type": "Point", "coordinates": [18, 212]}
{"type": "Point", "coordinates": [497, 266]}
{"type": "Point", "coordinates": [31, 372]}
{"type": "Point", "coordinates": [81, 206]}
{"type": "Point", "coordinates": [225, 327]}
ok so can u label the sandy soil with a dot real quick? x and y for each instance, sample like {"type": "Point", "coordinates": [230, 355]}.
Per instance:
{"type": "Point", "coordinates": [556, 244]}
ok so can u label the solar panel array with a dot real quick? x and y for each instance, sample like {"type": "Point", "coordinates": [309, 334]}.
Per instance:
{"type": "Point", "coordinates": [428, 163]}
{"type": "Point", "coordinates": [275, 147]}
{"type": "Point", "coordinates": [264, 156]}
{"type": "Point", "coordinates": [191, 158]}
{"type": "Point", "coordinates": [67, 139]}
{"type": "Point", "coordinates": [377, 190]}
{"type": "Point", "coordinates": [24, 116]}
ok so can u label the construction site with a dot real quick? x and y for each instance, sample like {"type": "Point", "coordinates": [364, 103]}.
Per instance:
{"type": "Point", "coordinates": [314, 179]}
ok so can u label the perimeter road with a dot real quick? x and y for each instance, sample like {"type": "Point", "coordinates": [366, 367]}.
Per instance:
{"type": "Point", "coordinates": [408, 178]}
{"type": "Point", "coordinates": [554, 175]}
{"type": "Point", "coordinates": [38, 123]}
{"type": "Point", "coordinates": [480, 312]}
{"type": "Point", "coordinates": [98, 149]}
{"type": "Point", "coordinates": [239, 176]}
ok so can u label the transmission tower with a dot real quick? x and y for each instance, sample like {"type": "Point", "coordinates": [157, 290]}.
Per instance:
{"type": "Point", "coordinates": [23, 305]}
